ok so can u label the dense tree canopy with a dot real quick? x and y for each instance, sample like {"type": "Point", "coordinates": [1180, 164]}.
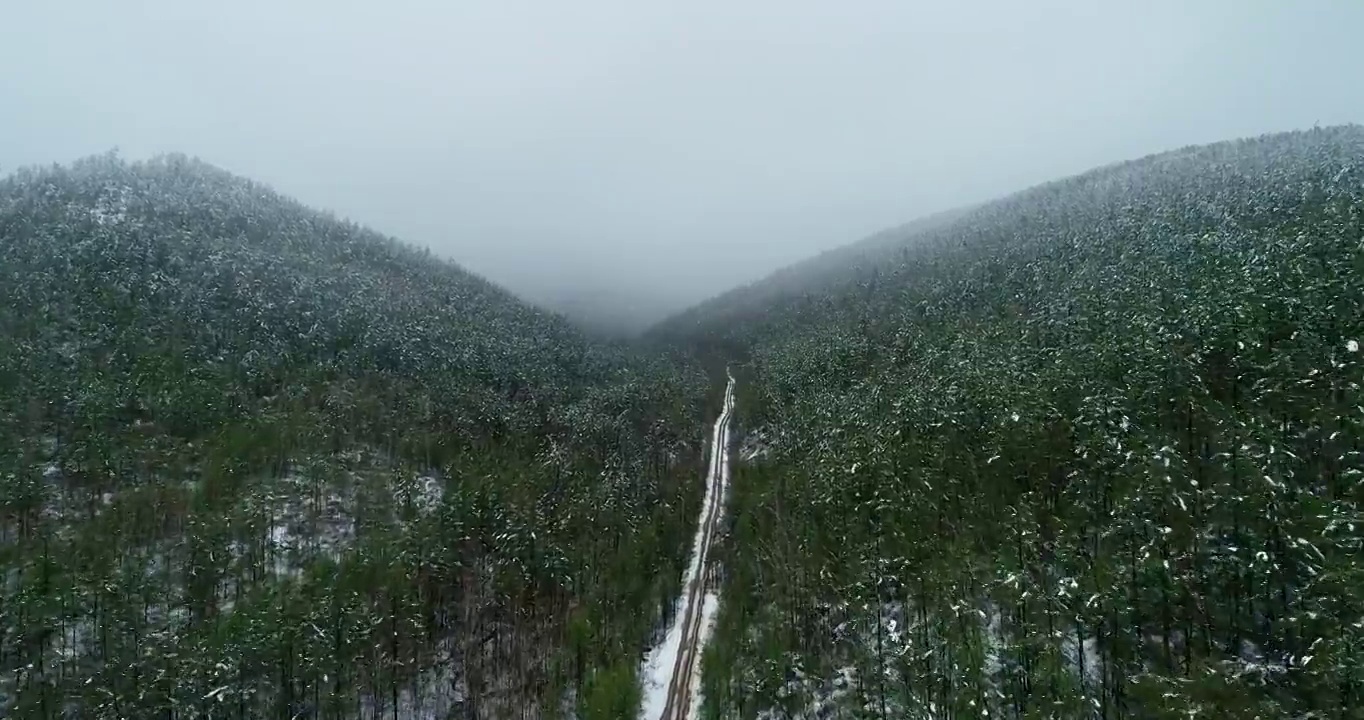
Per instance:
{"type": "Point", "coordinates": [1092, 450]}
{"type": "Point", "coordinates": [262, 462]}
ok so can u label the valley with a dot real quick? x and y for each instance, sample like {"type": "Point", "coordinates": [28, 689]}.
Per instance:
{"type": "Point", "coordinates": [1090, 450]}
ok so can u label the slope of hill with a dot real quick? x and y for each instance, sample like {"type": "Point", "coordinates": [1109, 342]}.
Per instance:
{"type": "Point", "coordinates": [1092, 450]}
{"type": "Point", "coordinates": [267, 463]}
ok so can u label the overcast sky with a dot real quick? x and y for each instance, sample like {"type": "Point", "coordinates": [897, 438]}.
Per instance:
{"type": "Point", "coordinates": [660, 150]}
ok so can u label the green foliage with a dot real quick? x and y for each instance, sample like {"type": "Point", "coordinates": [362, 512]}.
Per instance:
{"type": "Point", "coordinates": [612, 693]}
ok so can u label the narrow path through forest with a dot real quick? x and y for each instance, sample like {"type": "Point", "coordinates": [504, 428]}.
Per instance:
{"type": "Point", "coordinates": [672, 678]}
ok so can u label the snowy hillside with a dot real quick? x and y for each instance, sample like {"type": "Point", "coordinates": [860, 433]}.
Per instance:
{"type": "Point", "coordinates": [1092, 450]}
{"type": "Point", "coordinates": [267, 463]}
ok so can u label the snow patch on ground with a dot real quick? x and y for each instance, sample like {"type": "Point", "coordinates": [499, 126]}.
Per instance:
{"type": "Point", "coordinates": [436, 693]}
{"type": "Point", "coordinates": [658, 664]}
{"type": "Point", "coordinates": [829, 697]}
{"type": "Point", "coordinates": [994, 642]}
{"type": "Point", "coordinates": [1084, 654]}
{"type": "Point", "coordinates": [756, 445]}
{"type": "Point", "coordinates": [318, 518]}
{"type": "Point", "coordinates": [427, 494]}
{"type": "Point", "coordinates": [302, 522]}
{"type": "Point", "coordinates": [710, 605]}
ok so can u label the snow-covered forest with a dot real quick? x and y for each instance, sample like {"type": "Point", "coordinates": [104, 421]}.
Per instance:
{"type": "Point", "coordinates": [260, 462]}
{"type": "Point", "coordinates": [1092, 450]}
{"type": "Point", "coordinates": [1088, 451]}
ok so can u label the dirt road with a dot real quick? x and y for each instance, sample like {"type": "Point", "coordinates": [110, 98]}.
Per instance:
{"type": "Point", "coordinates": [672, 678]}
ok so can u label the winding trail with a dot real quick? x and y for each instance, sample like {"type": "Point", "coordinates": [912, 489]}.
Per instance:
{"type": "Point", "coordinates": [672, 679]}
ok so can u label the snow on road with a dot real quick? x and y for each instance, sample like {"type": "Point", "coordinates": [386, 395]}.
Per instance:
{"type": "Point", "coordinates": [671, 676]}
{"type": "Point", "coordinates": [710, 605]}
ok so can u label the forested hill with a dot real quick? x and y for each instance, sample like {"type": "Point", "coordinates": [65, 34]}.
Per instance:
{"type": "Point", "coordinates": [1092, 450]}
{"type": "Point", "coordinates": [266, 460]}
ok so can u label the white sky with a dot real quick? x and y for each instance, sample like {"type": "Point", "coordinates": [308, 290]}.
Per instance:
{"type": "Point", "coordinates": [660, 152]}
